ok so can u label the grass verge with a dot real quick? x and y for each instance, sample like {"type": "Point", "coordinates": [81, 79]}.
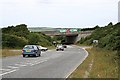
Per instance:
{"type": "Point", "coordinates": [99, 64]}
{"type": "Point", "coordinates": [51, 47]}
{"type": "Point", "coordinates": [10, 52]}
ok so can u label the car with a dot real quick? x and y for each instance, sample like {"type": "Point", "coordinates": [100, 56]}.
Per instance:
{"type": "Point", "coordinates": [43, 48]}
{"type": "Point", "coordinates": [60, 47]}
{"type": "Point", "coordinates": [65, 46]}
{"type": "Point", "coordinates": [31, 50]}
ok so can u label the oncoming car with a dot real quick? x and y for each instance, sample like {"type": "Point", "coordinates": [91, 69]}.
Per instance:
{"type": "Point", "coordinates": [60, 47]}
{"type": "Point", "coordinates": [31, 50]}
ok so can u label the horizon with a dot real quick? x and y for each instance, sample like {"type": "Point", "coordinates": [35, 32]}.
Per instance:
{"type": "Point", "coordinates": [58, 27]}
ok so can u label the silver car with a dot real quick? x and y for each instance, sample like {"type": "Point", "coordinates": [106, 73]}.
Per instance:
{"type": "Point", "coordinates": [59, 47]}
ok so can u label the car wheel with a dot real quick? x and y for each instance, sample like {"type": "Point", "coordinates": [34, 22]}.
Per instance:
{"type": "Point", "coordinates": [24, 55]}
{"type": "Point", "coordinates": [36, 55]}
{"type": "Point", "coordinates": [39, 55]}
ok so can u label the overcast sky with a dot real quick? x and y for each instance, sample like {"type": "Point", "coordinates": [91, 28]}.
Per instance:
{"type": "Point", "coordinates": [58, 13]}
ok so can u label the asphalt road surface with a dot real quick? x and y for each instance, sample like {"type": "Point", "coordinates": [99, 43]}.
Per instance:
{"type": "Point", "coordinates": [52, 64]}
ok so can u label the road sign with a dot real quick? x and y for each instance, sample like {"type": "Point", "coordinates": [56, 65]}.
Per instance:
{"type": "Point", "coordinates": [78, 30]}
{"type": "Point", "coordinates": [68, 31]}
{"type": "Point", "coordinates": [95, 41]}
{"type": "Point", "coordinates": [73, 30]}
{"type": "Point", "coordinates": [62, 30]}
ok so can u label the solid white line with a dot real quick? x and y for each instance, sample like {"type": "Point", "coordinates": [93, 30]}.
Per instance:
{"type": "Point", "coordinates": [8, 72]}
{"type": "Point", "coordinates": [71, 71]}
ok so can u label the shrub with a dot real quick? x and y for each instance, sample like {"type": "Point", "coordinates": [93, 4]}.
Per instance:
{"type": "Point", "coordinates": [13, 41]}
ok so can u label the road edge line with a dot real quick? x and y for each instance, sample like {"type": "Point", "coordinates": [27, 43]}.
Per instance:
{"type": "Point", "coordinates": [77, 64]}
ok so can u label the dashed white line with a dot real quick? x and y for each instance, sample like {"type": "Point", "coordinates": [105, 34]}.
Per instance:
{"type": "Point", "coordinates": [29, 63]}
{"type": "Point", "coordinates": [21, 65]}
{"type": "Point", "coordinates": [12, 67]}
{"type": "Point", "coordinates": [38, 63]}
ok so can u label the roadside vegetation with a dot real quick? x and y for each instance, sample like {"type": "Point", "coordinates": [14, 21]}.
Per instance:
{"type": "Point", "coordinates": [100, 63]}
{"type": "Point", "coordinates": [108, 37]}
{"type": "Point", "coordinates": [104, 57]}
{"type": "Point", "coordinates": [16, 37]}
{"type": "Point", "coordinates": [10, 52]}
{"type": "Point", "coordinates": [51, 47]}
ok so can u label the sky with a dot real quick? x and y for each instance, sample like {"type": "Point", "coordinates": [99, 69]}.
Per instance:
{"type": "Point", "coordinates": [58, 13]}
{"type": "Point", "coordinates": [119, 11]}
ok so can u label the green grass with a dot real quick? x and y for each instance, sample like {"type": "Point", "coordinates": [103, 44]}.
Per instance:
{"type": "Point", "coordinates": [81, 44]}
{"type": "Point", "coordinates": [51, 47]}
{"type": "Point", "coordinates": [0, 53]}
{"type": "Point", "coordinates": [9, 52]}
{"type": "Point", "coordinates": [105, 65]}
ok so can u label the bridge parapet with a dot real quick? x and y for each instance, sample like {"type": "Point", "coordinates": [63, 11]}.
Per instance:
{"type": "Point", "coordinates": [54, 33]}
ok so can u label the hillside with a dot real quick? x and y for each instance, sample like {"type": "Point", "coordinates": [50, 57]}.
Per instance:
{"type": "Point", "coordinates": [19, 35]}
{"type": "Point", "coordinates": [108, 37]}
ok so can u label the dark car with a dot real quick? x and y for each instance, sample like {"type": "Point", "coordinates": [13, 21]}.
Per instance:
{"type": "Point", "coordinates": [31, 50]}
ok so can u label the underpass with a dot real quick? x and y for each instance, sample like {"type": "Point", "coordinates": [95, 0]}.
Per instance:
{"type": "Point", "coordinates": [71, 38]}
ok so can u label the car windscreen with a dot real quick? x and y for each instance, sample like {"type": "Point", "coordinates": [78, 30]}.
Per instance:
{"type": "Point", "coordinates": [28, 47]}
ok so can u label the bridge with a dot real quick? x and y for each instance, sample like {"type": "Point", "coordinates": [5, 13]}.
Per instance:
{"type": "Point", "coordinates": [72, 34]}
{"type": "Point", "coordinates": [71, 38]}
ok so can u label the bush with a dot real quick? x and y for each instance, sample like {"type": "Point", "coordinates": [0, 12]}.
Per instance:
{"type": "Point", "coordinates": [18, 36]}
{"type": "Point", "coordinates": [12, 41]}
{"type": "Point", "coordinates": [108, 37]}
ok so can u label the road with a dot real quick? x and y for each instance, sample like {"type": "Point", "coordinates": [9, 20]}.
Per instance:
{"type": "Point", "coordinates": [52, 64]}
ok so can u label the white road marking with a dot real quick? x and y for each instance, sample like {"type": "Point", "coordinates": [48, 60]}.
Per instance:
{"type": "Point", "coordinates": [50, 50]}
{"type": "Point", "coordinates": [4, 69]}
{"type": "Point", "coordinates": [29, 63]}
{"type": "Point", "coordinates": [13, 67]}
{"type": "Point", "coordinates": [38, 63]}
{"type": "Point", "coordinates": [8, 72]}
{"type": "Point", "coordinates": [21, 65]}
